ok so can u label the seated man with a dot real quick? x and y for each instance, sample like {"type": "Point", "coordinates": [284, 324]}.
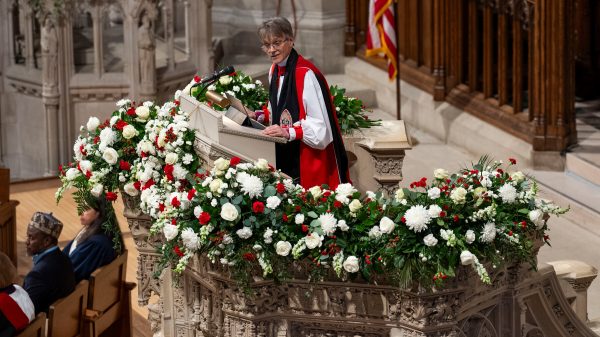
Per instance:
{"type": "Point", "coordinates": [52, 275]}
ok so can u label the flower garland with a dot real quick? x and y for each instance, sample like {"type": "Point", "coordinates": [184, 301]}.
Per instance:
{"type": "Point", "coordinates": [103, 157]}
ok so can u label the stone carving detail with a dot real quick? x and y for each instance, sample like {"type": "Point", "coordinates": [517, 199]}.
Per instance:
{"type": "Point", "coordinates": [146, 45]}
{"type": "Point", "coordinates": [49, 44]}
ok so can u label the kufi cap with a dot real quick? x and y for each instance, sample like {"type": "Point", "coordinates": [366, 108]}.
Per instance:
{"type": "Point", "coordinates": [46, 223]}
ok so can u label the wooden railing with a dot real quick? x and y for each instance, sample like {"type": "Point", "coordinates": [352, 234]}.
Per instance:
{"type": "Point", "coordinates": [509, 62]}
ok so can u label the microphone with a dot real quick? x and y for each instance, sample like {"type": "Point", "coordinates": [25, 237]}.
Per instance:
{"type": "Point", "coordinates": [218, 73]}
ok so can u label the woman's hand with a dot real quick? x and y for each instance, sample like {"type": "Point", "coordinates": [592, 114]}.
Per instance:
{"type": "Point", "coordinates": [276, 131]}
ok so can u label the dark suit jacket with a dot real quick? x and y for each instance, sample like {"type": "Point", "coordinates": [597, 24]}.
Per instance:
{"type": "Point", "coordinates": [50, 278]}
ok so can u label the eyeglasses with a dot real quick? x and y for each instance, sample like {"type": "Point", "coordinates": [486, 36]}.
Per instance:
{"type": "Point", "coordinates": [275, 45]}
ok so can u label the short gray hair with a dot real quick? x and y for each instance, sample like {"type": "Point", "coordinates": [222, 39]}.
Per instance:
{"type": "Point", "coordinates": [277, 26]}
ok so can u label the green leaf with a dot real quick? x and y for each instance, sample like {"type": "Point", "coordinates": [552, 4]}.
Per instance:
{"type": "Point", "coordinates": [270, 191]}
{"type": "Point", "coordinates": [312, 214]}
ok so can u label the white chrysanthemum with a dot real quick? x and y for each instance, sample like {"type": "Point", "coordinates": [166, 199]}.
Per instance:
{"type": "Point", "coordinates": [470, 236]}
{"type": "Point", "coordinates": [343, 191]}
{"type": "Point", "coordinates": [508, 193]}
{"type": "Point", "coordinates": [244, 233]}
{"type": "Point", "coordinates": [433, 193]}
{"type": "Point", "coordinates": [434, 211]}
{"type": "Point", "coordinates": [190, 239]}
{"type": "Point", "coordinates": [328, 223]}
{"type": "Point", "coordinates": [417, 217]}
{"type": "Point", "coordinates": [179, 172]}
{"type": "Point", "coordinates": [85, 166]}
{"type": "Point", "coordinates": [273, 202]}
{"type": "Point", "coordinates": [122, 102]}
{"type": "Point", "coordinates": [107, 136]}
{"type": "Point", "coordinates": [187, 159]}
{"type": "Point", "coordinates": [251, 184]}
{"type": "Point", "coordinates": [430, 240]}
{"type": "Point", "coordinates": [227, 239]}
{"type": "Point", "coordinates": [488, 234]}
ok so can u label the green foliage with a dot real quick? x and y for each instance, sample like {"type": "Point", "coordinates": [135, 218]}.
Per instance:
{"type": "Point", "coordinates": [351, 112]}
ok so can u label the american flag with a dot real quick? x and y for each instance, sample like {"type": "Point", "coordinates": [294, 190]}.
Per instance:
{"type": "Point", "coordinates": [381, 38]}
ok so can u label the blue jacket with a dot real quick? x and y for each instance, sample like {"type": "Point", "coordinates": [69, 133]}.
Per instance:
{"type": "Point", "coordinates": [50, 279]}
{"type": "Point", "coordinates": [90, 255]}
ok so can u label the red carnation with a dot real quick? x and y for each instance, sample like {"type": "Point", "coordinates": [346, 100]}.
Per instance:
{"type": "Point", "coordinates": [249, 257]}
{"type": "Point", "coordinates": [177, 251]}
{"type": "Point", "coordinates": [121, 124]}
{"type": "Point", "coordinates": [337, 204]}
{"type": "Point", "coordinates": [204, 218]}
{"type": "Point", "coordinates": [258, 207]}
{"type": "Point", "coordinates": [169, 171]}
{"type": "Point", "coordinates": [88, 175]}
{"type": "Point", "coordinates": [96, 139]}
{"type": "Point", "coordinates": [175, 202]}
{"type": "Point", "coordinates": [131, 111]}
{"type": "Point", "coordinates": [148, 183]}
{"type": "Point", "coordinates": [197, 78]}
{"type": "Point", "coordinates": [161, 207]}
{"type": "Point", "coordinates": [512, 161]}
{"type": "Point", "coordinates": [285, 217]}
{"type": "Point", "coordinates": [125, 166]}
{"type": "Point", "coordinates": [137, 185]}
{"type": "Point", "coordinates": [326, 193]}
{"type": "Point", "coordinates": [280, 188]}
{"type": "Point", "coordinates": [442, 214]}
{"type": "Point", "coordinates": [191, 194]}
{"type": "Point", "coordinates": [304, 228]}
{"type": "Point", "coordinates": [111, 196]}
{"type": "Point", "coordinates": [234, 161]}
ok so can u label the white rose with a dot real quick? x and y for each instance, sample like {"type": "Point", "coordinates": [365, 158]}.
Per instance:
{"type": "Point", "coordinates": [283, 248]}
{"type": "Point", "coordinates": [142, 112]}
{"type": "Point", "coordinates": [441, 174]}
{"type": "Point", "coordinates": [215, 185]}
{"type": "Point", "coordinates": [375, 232]}
{"type": "Point", "coordinates": [467, 258]}
{"type": "Point", "coordinates": [470, 236]}
{"type": "Point", "coordinates": [299, 219]}
{"type": "Point", "coordinates": [399, 194]}
{"type": "Point", "coordinates": [92, 123]}
{"type": "Point", "coordinates": [229, 212]}
{"type": "Point", "coordinates": [430, 240]}
{"type": "Point", "coordinates": [221, 164]}
{"type": "Point", "coordinates": [72, 173]}
{"type": "Point", "coordinates": [433, 193]}
{"type": "Point", "coordinates": [129, 132]}
{"type": "Point", "coordinates": [315, 191]}
{"type": "Point", "coordinates": [244, 233]}
{"type": "Point", "coordinates": [354, 206]}
{"type": "Point", "coordinates": [343, 226]}
{"type": "Point", "coordinates": [273, 202]}
{"type": "Point", "coordinates": [197, 211]}
{"type": "Point", "coordinates": [434, 211]}
{"type": "Point", "coordinates": [386, 225]}
{"type": "Point", "coordinates": [170, 232]}
{"type": "Point", "coordinates": [458, 195]}
{"type": "Point", "coordinates": [351, 264]}
{"type": "Point", "coordinates": [537, 217]}
{"type": "Point", "coordinates": [262, 164]}
{"type": "Point", "coordinates": [171, 158]}
{"type": "Point", "coordinates": [130, 189]}
{"type": "Point", "coordinates": [97, 190]}
{"type": "Point", "coordinates": [517, 176]}
{"type": "Point", "coordinates": [313, 240]}
{"type": "Point", "coordinates": [110, 155]}
{"type": "Point", "coordinates": [225, 80]}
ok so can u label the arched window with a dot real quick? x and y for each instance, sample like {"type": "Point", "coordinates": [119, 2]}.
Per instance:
{"type": "Point", "coordinates": [83, 41]}
{"type": "Point", "coordinates": [112, 39]}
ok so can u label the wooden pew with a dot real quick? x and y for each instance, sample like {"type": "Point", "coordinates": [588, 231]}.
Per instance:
{"type": "Point", "coordinates": [37, 328]}
{"type": "Point", "coordinates": [66, 316]}
{"type": "Point", "coordinates": [109, 300]}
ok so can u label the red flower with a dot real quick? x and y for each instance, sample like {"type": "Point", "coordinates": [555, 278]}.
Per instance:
{"type": "Point", "coordinates": [191, 194]}
{"type": "Point", "coordinates": [125, 166]}
{"type": "Point", "coordinates": [111, 196]}
{"type": "Point", "coordinates": [175, 202]}
{"type": "Point", "coordinates": [403, 219]}
{"type": "Point", "coordinates": [204, 218]}
{"type": "Point", "coordinates": [249, 257]}
{"type": "Point", "coordinates": [298, 208]}
{"type": "Point", "coordinates": [285, 217]}
{"type": "Point", "coordinates": [280, 188]}
{"type": "Point", "coordinates": [455, 218]}
{"type": "Point", "coordinates": [510, 233]}
{"type": "Point", "coordinates": [271, 168]}
{"type": "Point", "coordinates": [326, 194]}
{"type": "Point", "coordinates": [304, 228]}
{"type": "Point", "coordinates": [169, 171]}
{"type": "Point", "coordinates": [442, 214]}
{"type": "Point", "coordinates": [337, 204]}
{"type": "Point", "coordinates": [137, 185]}
{"type": "Point", "coordinates": [121, 124]}
{"type": "Point", "coordinates": [234, 161]}
{"type": "Point", "coordinates": [161, 207]}
{"type": "Point", "coordinates": [148, 183]}
{"type": "Point", "coordinates": [88, 175]}
{"type": "Point", "coordinates": [197, 78]}
{"type": "Point", "coordinates": [258, 207]}
{"type": "Point", "coordinates": [513, 161]}
{"type": "Point", "coordinates": [131, 111]}
{"type": "Point", "coordinates": [177, 251]}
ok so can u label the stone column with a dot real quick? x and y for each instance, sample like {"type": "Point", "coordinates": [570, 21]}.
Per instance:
{"type": "Point", "coordinates": [97, 33]}
{"type": "Point", "coordinates": [50, 92]}
{"type": "Point", "coordinates": [201, 40]}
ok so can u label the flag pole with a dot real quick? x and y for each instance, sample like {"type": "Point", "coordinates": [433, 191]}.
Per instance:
{"type": "Point", "coordinates": [398, 93]}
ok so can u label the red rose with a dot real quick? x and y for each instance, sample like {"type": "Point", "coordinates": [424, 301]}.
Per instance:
{"type": "Point", "coordinates": [161, 207]}
{"type": "Point", "coordinates": [191, 194]}
{"type": "Point", "coordinates": [280, 188]}
{"type": "Point", "coordinates": [168, 169]}
{"type": "Point", "coordinates": [204, 218]}
{"type": "Point", "coordinates": [175, 202]}
{"type": "Point", "coordinates": [285, 217]}
{"type": "Point", "coordinates": [111, 196]}
{"type": "Point", "coordinates": [121, 124]}
{"type": "Point", "coordinates": [131, 111]}
{"type": "Point", "coordinates": [148, 183]}
{"type": "Point", "coordinates": [125, 166]}
{"type": "Point", "coordinates": [234, 161]}
{"type": "Point", "coordinates": [177, 251]}
{"type": "Point", "coordinates": [137, 185]}
{"type": "Point", "coordinates": [442, 214]}
{"type": "Point", "coordinates": [337, 204]}
{"type": "Point", "coordinates": [258, 207]}
{"type": "Point", "coordinates": [304, 228]}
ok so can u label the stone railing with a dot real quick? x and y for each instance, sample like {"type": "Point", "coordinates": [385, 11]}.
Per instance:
{"type": "Point", "coordinates": [205, 301]}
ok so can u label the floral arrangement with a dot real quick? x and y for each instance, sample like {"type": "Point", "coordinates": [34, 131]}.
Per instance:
{"type": "Point", "coordinates": [251, 93]}
{"type": "Point", "coordinates": [103, 156]}
{"type": "Point", "coordinates": [247, 217]}
{"type": "Point", "coordinates": [351, 112]}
